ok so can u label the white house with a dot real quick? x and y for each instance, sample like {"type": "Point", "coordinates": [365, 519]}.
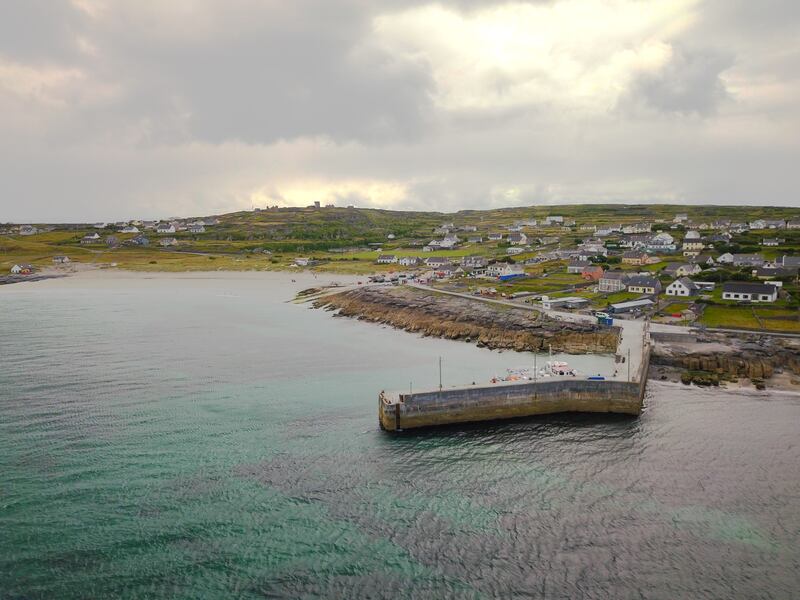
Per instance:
{"type": "Point", "coordinates": [495, 236]}
{"type": "Point", "coordinates": [197, 228]}
{"type": "Point", "coordinates": [408, 261]}
{"type": "Point", "coordinates": [518, 239]}
{"type": "Point", "coordinates": [682, 287]}
{"type": "Point", "coordinates": [27, 230]}
{"type": "Point", "coordinates": [745, 291]}
{"type": "Point", "coordinates": [165, 228]}
{"type": "Point", "coordinates": [170, 241]}
{"type": "Point", "coordinates": [386, 259]}
{"type": "Point", "coordinates": [514, 250]}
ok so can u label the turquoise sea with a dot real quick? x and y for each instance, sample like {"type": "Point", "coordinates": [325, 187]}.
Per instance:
{"type": "Point", "coordinates": [198, 437]}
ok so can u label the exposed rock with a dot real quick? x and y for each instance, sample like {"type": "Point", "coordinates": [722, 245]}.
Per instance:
{"type": "Point", "coordinates": [450, 317]}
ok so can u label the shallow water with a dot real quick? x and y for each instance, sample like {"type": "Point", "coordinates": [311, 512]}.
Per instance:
{"type": "Point", "coordinates": [199, 437]}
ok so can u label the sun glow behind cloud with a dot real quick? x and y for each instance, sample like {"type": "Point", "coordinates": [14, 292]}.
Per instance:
{"type": "Point", "coordinates": [573, 54]}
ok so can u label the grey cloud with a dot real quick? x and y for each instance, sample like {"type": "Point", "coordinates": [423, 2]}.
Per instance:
{"type": "Point", "coordinates": [689, 84]}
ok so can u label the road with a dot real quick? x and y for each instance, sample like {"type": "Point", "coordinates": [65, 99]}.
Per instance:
{"type": "Point", "coordinates": [631, 340]}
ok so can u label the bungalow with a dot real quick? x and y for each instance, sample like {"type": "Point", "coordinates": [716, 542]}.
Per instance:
{"type": "Point", "coordinates": [793, 224]}
{"type": "Point", "coordinates": [129, 229]}
{"type": "Point", "coordinates": [99, 225]}
{"type": "Point", "coordinates": [513, 251]}
{"type": "Point", "coordinates": [604, 232]}
{"type": "Point", "coordinates": [90, 239]}
{"type": "Point", "coordinates": [772, 241]}
{"type": "Point", "coordinates": [495, 237]}
{"type": "Point", "coordinates": [61, 259]}
{"type": "Point", "coordinates": [468, 228]}
{"type": "Point", "coordinates": [680, 218]}
{"type": "Point", "coordinates": [170, 241]}
{"type": "Point", "coordinates": [635, 258]}
{"type": "Point", "coordinates": [644, 284]}
{"type": "Point", "coordinates": [437, 261]}
{"type": "Point", "coordinates": [165, 228]}
{"type": "Point", "coordinates": [303, 262]}
{"type": "Point", "coordinates": [553, 219]}
{"type": "Point", "coordinates": [775, 223]}
{"type": "Point", "coordinates": [386, 259]}
{"type": "Point", "coordinates": [450, 241]}
{"type": "Point", "coordinates": [517, 239]}
{"type": "Point", "coordinates": [790, 262]}
{"type": "Point", "coordinates": [547, 240]}
{"type": "Point", "coordinates": [705, 260]}
{"type": "Point", "coordinates": [197, 228]}
{"type": "Point", "coordinates": [757, 224]}
{"type": "Point", "coordinates": [408, 261]}
{"type": "Point", "coordinates": [21, 270]}
{"type": "Point", "coordinates": [475, 239]}
{"type": "Point", "coordinates": [775, 272]}
{"type": "Point", "coordinates": [27, 230]}
{"type": "Point", "coordinates": [748, 260]}
{"type": "Point", "coordinates": [691, 235]}
{"type": "Point", "coordinates": [661, 242]}
{"type": "Point", "coordinates": [682, 269]}
{"type": "Point", "coordinates": [577, 266]}
{"type": "Point", "coordinates": [592, 273]}
{"type": "Point", "coordinates": [140, 240]}
{"type": "Point", "coordinates": [613, 281]}
{"type": "Point", "coordinates": [744, 291]}
{"type": "Point", "coordinates": [682, 287]}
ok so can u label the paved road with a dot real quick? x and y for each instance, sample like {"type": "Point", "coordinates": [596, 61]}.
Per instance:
{"type": "Point", "coordinates": [632, 334]}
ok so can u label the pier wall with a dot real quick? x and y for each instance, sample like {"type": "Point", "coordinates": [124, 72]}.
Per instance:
{"type": "Point", "coordinates": [509, 400]}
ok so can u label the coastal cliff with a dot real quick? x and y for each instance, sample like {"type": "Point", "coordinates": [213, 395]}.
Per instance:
{"type": "Point", "coordinates": [490, 326]}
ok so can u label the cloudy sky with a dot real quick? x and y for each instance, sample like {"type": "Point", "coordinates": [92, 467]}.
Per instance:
{"type": "Point", "coordinates": [112, 109]}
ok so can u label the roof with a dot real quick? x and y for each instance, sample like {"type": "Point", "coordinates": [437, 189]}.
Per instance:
{"type": "Point", "coordinates": [746, 287]}
{"type": "Point", "coordinates": [644, 281]}
{"type": "Point", "coordinates": [580, 263]}
{"type": "Point", "coordinates": [687, 283]}
{"type": "Point", "coordinates": [386, 257]}
{"type": "Point", "coordinates": [631, 304]}
{"type": "Point", "coordinates": [615, 275]}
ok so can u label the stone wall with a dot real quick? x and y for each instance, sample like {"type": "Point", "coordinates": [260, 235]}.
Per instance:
{"type": "Point", "coordinates": [504, 401]}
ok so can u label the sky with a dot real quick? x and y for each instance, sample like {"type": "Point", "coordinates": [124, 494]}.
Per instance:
{"type": "Point", "coordinates": [118, 109]}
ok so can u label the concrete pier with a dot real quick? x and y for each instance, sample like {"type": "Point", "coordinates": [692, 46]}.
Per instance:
{"type": "Point", "coordinates": [513, 399]}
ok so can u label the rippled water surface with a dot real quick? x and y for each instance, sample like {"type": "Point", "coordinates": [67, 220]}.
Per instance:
{"type": "Point", "coordinates": [202, 438]}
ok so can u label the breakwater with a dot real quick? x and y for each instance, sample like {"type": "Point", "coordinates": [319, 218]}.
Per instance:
{"type": "Point", "coordinates": [510, 400]}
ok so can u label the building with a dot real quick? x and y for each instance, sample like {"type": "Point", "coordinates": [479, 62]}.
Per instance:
{"type": "Point", "coordinates": [474, 262]}
{"type": "Point", "coordinates": [691, 235]}
{"type": "Point", "coordinates": [744, 291]}
{"type": "Point", "coordinates": [692, 248]}
{"type": "Point", "coordinates": [90, 239]}
{"type": "Point", "coordinates": [775, 224]}
{"type": "Point", "coordinates": [644, 284]}
{"type": "Point", "coordinates": [774, 272]}
{"type": "Point", "coordinates": [682, 269]}
{"type": "Point", "coordinates": [165, 228]}
{"type": "Point", "coordinates": [129, 229]}
{"type": "Point", "coordinates": [197, 228]}
{"type": "Point", "coordinates": [21, 270]}
{"type": "Point", "coordinates": [509, 271]}
{"type": "Point", "coordinates": [61, 259]}
{"type": "Point", "coordinates": [514, 250]}
{"type": "Point", "coordinates": [408, 261]}
{"type": "Point", "coordinates": [637, 228]}
{"type": "Point", "coordinates": [140, 240]}
{"type": "Point", "coordinates": [495, 237]}
{"type": "Point", "coordinates": [635, 257]}
{"type": "Point", "coordinates": [475, 239]}
{"type": "Point", "coordinates": [790, 262]}
{"type": "Point", "coordinates": [437, 261]}
{"type": "Point", "coordinates": [386, 259]}
{"type": "Point", "coordinates": [757, 224]}
{"type": "Point", "coordinates": [630, 306]}
{"type": "Point", "coordinates": [577, 266]}
{"type": "Point", "coordinates": [303, 262]}
{"type": "Point", "coordinates": [613, 281]}
{"type": "Point", "coordinates": [170, 241]}
{"type": "Point", "coordinates": [793, 224]}
{"type": "Point", "coordinates": [682, 287]}
{"type": "Point", "coordinates": [772, 241]}
{"type": "Point", "coordinates": [592, 273]}
{"type": "Point", "coordinates": [517, 239]}
{"type": "Point", "coordinates": [569, 302]}
{"type": "Point", "coordinates": [680, 218]}
{"type": "Point", "coordinates": [553, 220]}
{"type": "Point", "coordinates": [27, 230]}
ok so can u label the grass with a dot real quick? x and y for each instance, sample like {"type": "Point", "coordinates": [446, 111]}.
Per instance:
{"type": "Point", "coordinates": [729, 316]}
{"type": "Point", "coordinates": [675, 308]}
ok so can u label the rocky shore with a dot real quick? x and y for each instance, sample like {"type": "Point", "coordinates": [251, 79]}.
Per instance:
{"type": "Point", "coordinates": [719, 358]}
{"type": "Point", "coordinates": [490, 326]}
